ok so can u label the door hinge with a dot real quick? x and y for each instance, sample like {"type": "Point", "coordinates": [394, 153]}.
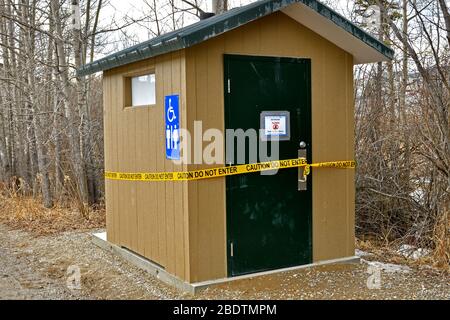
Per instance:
{"type": "Point", "coordinates": [231, 249]}
{"type": "Point", "coordinates": [229, 85]}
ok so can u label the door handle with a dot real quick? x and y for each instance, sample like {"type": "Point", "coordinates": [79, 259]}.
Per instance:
{"type": "Point", "coordinates": [302, 177]}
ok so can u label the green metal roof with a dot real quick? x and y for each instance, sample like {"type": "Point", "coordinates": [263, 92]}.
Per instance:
{"type": "Point", "coordinates": [217, 25]}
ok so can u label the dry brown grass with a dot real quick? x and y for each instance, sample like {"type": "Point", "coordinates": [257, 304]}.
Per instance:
{"type": "Point", "coordinates": [438, 258]}
{"type": "Point", "coordinates": [27, 213]}
{"type": "Point", "coordinates": [441, 253]}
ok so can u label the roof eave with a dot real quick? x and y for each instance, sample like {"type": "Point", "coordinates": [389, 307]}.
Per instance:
{"type": "Point", "coordinates": [130, 55]}
{"type": "Point", "coordinates": [335, 28]}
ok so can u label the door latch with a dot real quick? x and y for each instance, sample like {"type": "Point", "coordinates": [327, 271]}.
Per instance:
{"type": "Point", "coordinates": [302, 177]}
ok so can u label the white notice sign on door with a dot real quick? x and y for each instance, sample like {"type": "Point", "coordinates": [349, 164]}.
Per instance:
{"type": "Point", "coordinates": [275, 126]}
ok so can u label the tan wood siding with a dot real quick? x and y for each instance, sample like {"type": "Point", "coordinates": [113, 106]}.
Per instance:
{"type": "Point", "coordinates": [111, 222]}
{"type": "Point", "coordinates": [206, 198]}
{"type": "Point", "coordinates": [147, 218]}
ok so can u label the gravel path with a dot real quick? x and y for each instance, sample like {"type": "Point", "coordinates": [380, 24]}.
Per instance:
{"type": "Point", "coordinates": [37, 268]}
{"type": "Point", "coordinates": [19, 278]}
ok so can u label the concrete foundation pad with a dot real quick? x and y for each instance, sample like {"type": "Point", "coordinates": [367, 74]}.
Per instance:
{"type": "Point", "coordinates": [157, 271]}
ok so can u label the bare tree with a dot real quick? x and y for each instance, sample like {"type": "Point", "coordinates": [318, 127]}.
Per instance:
{"type": "Point", "coordinates": [219, 6]}
{"type": "Point", "coordinates": [402, 129]}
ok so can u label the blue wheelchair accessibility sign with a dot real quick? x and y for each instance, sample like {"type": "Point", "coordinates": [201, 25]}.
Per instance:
{"type": "Point", "coordinates": [172, 116]}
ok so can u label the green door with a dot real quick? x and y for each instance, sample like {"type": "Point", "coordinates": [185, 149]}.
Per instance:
{"type": "Point", "coordinates": [269, 222]}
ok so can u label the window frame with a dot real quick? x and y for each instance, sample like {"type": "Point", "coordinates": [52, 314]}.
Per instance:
{"type": "Point", "coordinates": [128, 91]}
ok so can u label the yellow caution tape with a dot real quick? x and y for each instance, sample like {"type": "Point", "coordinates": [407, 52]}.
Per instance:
{"type": "Point", "coordinates": [227, 171]}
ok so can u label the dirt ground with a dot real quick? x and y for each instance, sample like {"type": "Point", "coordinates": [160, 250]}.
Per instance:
{"type": "Point", "coordinates": [37, 268]}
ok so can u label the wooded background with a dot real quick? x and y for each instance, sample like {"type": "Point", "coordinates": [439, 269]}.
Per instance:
{"type": "Point", "coordinates": [51, 134]}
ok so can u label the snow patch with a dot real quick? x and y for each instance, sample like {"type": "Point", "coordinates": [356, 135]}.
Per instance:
{"type": "Point", "coordinates": [412, 252]}
{"type": "Point", "coordinates": [389, 267]}
{"type": "Point", "coordinates": [361, 253]}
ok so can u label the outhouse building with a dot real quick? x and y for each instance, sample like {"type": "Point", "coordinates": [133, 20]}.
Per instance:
{"type": "Point", "coordinates": [281, 63]}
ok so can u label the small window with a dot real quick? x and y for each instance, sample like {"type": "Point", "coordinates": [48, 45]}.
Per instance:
{"type": "Point", "coordinates": [143, 90]}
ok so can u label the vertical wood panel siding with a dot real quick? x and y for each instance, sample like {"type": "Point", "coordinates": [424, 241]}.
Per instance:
{"type": "Point", "coordinates": [147, 218]}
